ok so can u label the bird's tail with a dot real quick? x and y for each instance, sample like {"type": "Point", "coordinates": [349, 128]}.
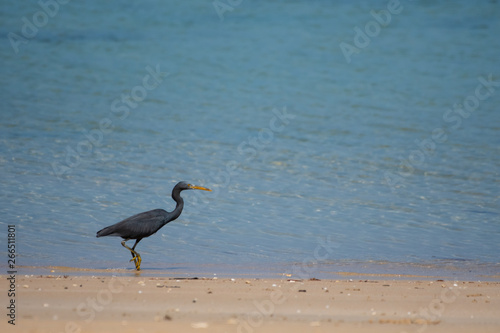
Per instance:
{"type": "Point", "coordinates": [105, 232]}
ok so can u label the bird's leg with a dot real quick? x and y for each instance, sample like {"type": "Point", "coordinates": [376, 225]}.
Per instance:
{"type": "Point", "coordinates": [136, 258]}
{"type": "Point", "coordinates": [137, 255]}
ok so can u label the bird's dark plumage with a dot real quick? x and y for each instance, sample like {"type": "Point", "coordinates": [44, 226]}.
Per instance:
{"type": "Point", "coordinates": [147, 223]}
{"type": "Point", "coordinates": [138, 226]}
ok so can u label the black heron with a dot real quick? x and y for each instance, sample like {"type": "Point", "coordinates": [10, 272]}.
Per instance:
{"type": "Point", "coordinates": [147, 223]}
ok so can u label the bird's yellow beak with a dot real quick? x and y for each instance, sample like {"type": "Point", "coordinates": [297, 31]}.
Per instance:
{"type": "Point", "coordinates": [194, 187]}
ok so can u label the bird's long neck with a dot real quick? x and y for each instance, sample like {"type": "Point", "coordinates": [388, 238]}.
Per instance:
{"type": "Point", "coordinates": [179, 206]}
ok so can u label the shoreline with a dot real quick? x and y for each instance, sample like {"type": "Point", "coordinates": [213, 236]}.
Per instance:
{"type": "Point", "coordinates": [137, 303]}
{"type": "Point", "coordinates": [356, 270]}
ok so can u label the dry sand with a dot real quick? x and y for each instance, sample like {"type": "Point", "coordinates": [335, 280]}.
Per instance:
{"type": "Point", "coordinates": [61, 303]}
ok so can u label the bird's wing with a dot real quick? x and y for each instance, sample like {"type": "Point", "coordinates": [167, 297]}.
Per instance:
{"type": "Point", "coordinates": [137, 226]}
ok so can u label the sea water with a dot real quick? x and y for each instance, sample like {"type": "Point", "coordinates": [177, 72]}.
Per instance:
{"type": "Point", "coordinates": [331, 132]}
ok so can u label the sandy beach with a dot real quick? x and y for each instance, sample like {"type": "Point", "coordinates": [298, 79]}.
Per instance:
{"type": "Point", "coordinates": [64, 303]}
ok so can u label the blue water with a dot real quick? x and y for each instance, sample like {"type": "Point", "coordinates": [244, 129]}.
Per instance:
{"type": "Point", "coordinates": [108, 105]}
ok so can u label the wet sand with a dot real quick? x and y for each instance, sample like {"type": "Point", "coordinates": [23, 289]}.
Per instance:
{"type": "Point", "coordinates": [63, 303]}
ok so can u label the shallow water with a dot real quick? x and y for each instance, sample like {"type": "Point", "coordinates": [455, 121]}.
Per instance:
{"type": "Point", "coordinates": [300, 146]}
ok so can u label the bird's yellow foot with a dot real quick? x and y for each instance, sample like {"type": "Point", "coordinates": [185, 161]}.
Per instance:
{"type": "Point", "coordinates": [137, 261]}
